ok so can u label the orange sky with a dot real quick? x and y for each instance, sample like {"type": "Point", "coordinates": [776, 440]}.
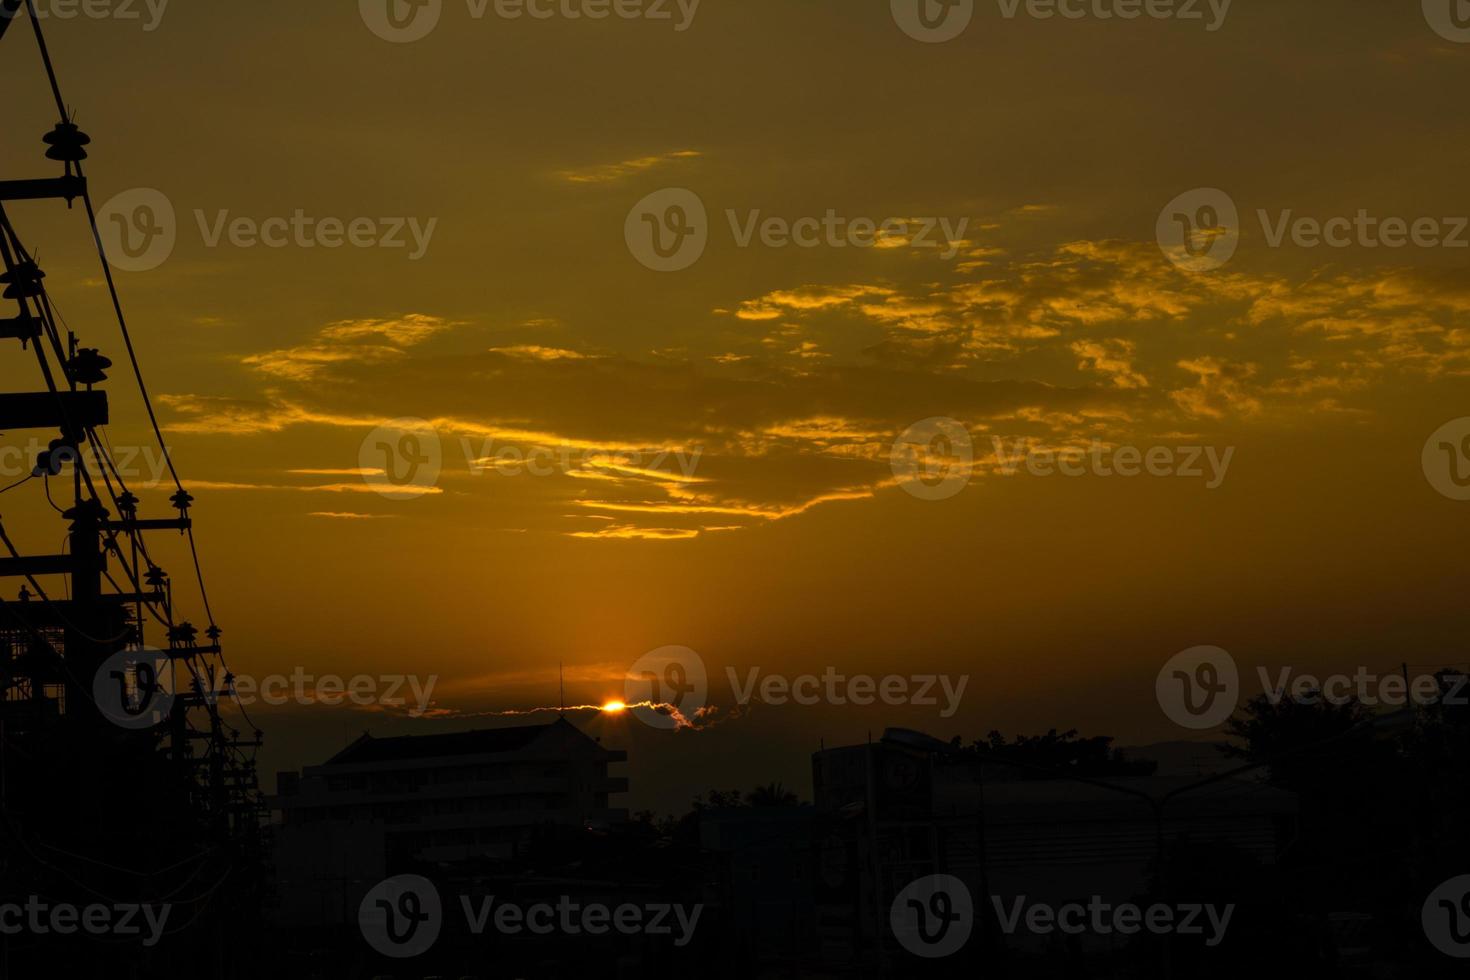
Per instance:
{"type": "Point", "coordinates": [783, 375]}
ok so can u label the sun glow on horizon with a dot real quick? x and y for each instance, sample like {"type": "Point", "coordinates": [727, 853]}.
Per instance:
{"type": "Point", "coordinates": [614, 707]}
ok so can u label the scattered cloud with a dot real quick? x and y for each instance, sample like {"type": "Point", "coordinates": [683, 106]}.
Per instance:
{"type": "Point", "coordinates": [1112, 358]}
{"type": "Point", "coordinates": [1223, 388]}
{"type": "Point", "coordinates": [798, 400]}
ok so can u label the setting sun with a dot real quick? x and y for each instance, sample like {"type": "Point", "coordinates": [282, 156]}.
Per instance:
{"type": "Point", "coordinates": [614, 707]}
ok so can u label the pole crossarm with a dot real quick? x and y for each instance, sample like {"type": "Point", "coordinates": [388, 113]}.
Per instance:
{"type": "Point", "coordinates": [67, 188]}
{"type": "Point", "coordinates": [53, 410]}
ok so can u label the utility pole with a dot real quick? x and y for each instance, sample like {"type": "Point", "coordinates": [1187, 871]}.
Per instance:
{"type": "Point", "coordinates": [81, 783]}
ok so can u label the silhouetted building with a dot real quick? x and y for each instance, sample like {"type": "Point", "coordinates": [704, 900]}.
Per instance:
{"type": "Point", "coordinates": [910, 806]}
{"type": "Point", "coordinates": [759, 884]}
{"type": "Point", "coordinates": [383, 806]}
{"type": "Point", "coordinates": [889, 813]}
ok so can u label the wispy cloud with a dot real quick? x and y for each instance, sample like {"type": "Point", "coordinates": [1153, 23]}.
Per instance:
{"type": "Point", "coordinates": [373, 341]}
{"type": "Point", "coordinates": [604, 173]}
{"type": "Point", "coordinates": [629, 532]}
{"type": "Point", "coordinates": [536, 352]}
{"type": "Point", "coordinates": [313, 488]}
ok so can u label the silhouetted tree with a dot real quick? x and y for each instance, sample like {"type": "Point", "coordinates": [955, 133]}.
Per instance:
{"type": "Point", "coordinates": [1066, 753]}
{"type": "Point", "coordinates": [1370, 801]}
{"type": "Point", "coordinates": [1304, 744]}
{"type": "Point", "coordinates": [771, 794]}
{"type": "Point", "coordinates": [718, 799]}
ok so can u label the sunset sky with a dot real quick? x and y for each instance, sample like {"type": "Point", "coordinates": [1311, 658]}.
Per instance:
{"type": "Point", "coordinates": [783, 375]}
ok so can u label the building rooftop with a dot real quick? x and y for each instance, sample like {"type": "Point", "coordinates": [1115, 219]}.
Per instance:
{"type": "Point", "coordinates": [482, 741]}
